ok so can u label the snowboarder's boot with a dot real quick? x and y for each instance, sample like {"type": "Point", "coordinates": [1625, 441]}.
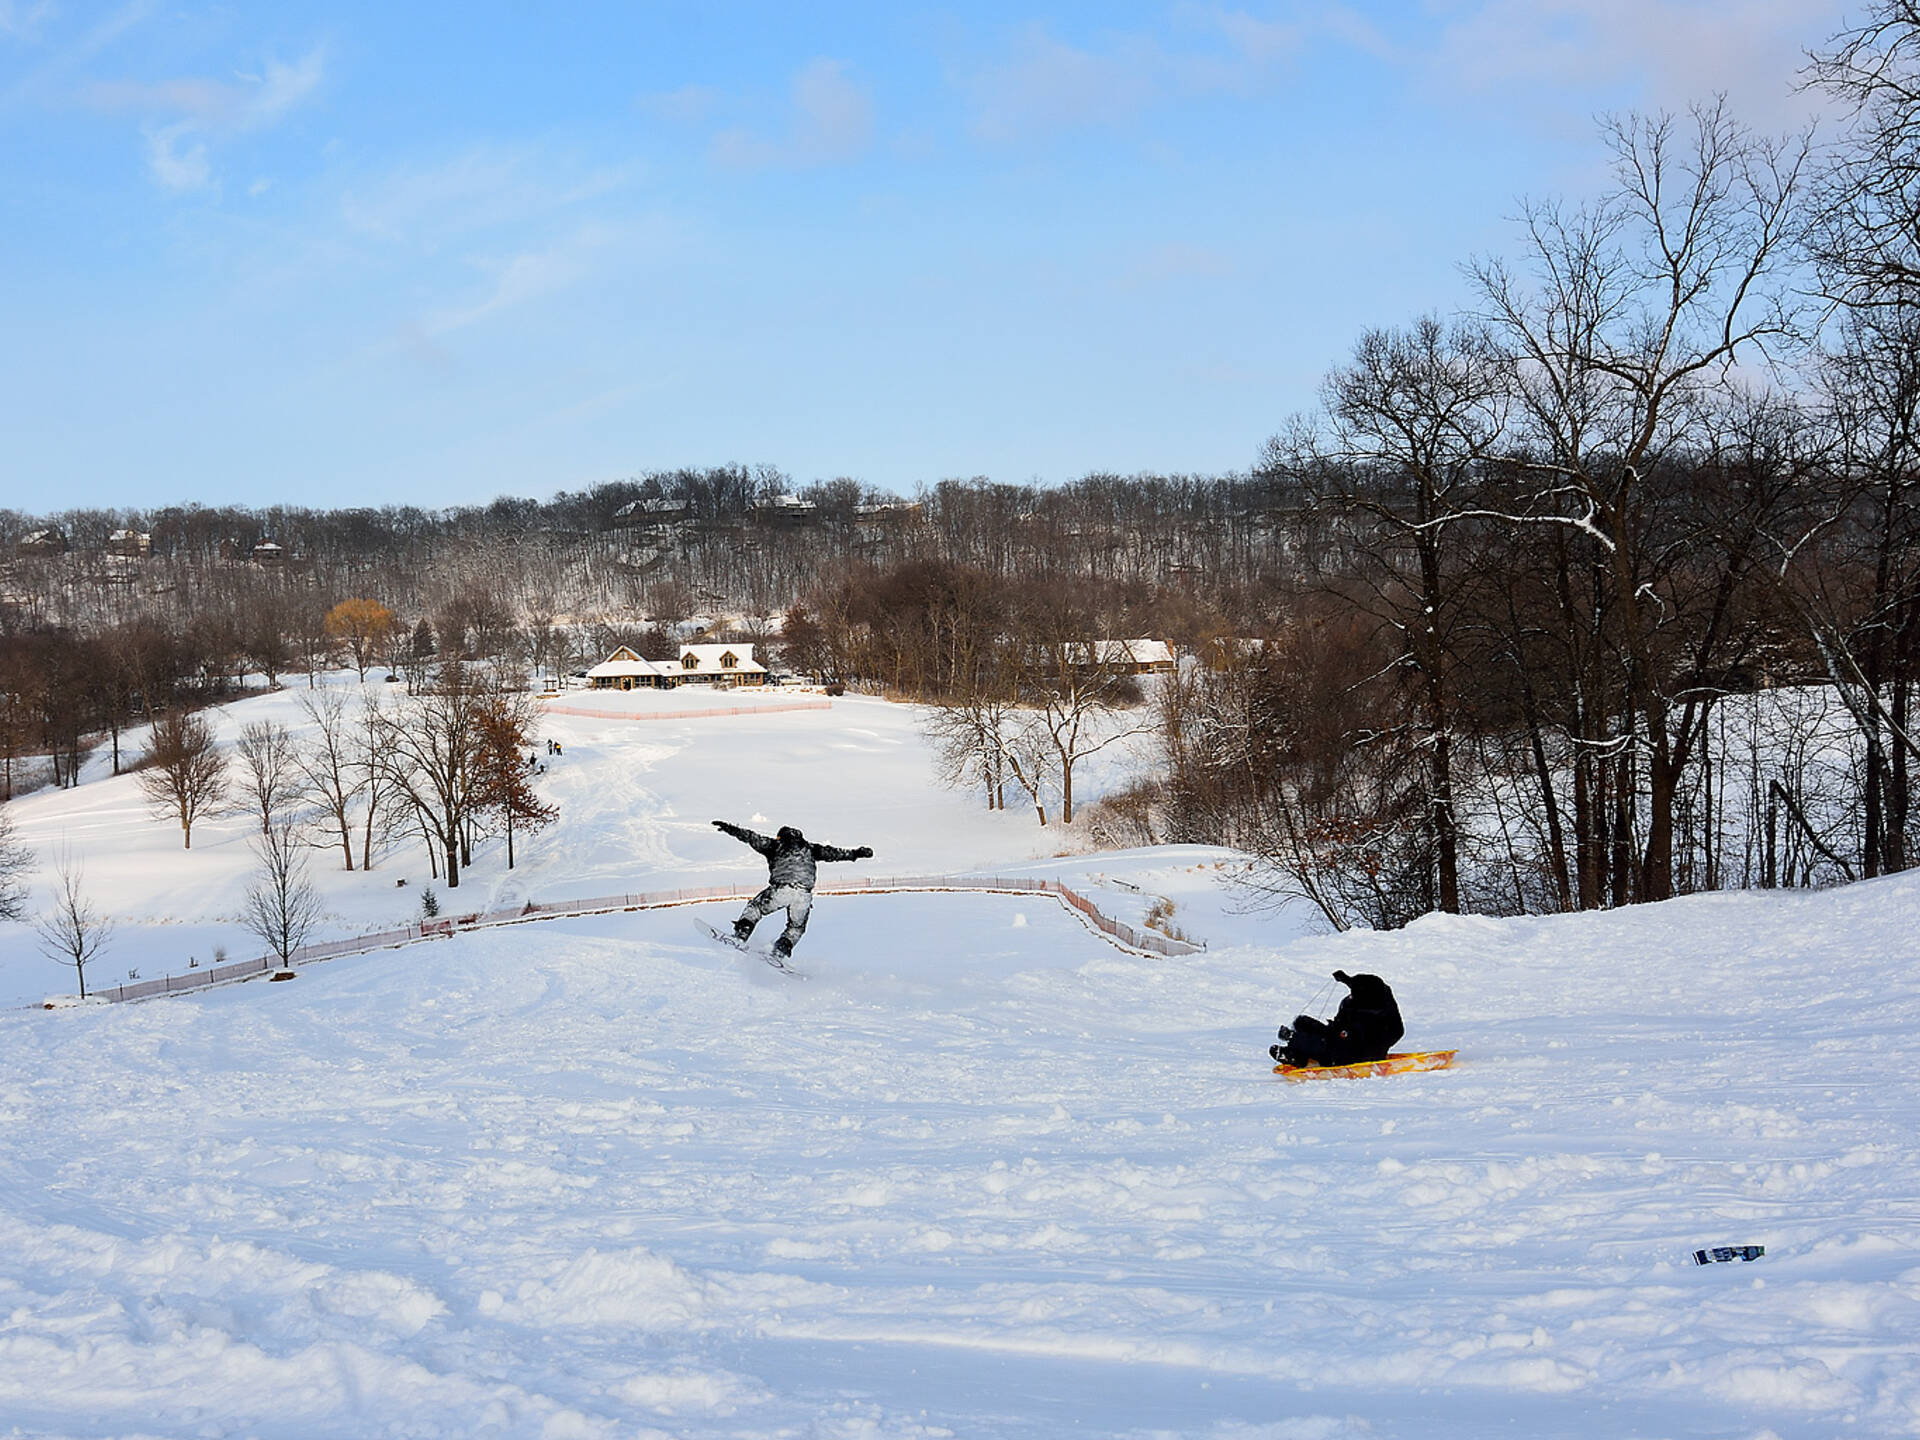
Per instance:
{"type": "Point", "coordinates": [742, 931]}
{"type": "Point", "coordinates": [782, 949]}
{"type": "Point", "coordinates": [1286, 1034]}
{"type": "Point", "coordinates": [1279, 1054]}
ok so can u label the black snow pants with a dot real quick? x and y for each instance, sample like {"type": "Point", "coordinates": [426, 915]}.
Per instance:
{"type": "Point", "coordinates": [1318, 1043]}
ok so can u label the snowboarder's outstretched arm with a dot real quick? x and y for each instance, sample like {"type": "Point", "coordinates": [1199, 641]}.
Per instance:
{"type": "Point", "coordinates": [834, 852]}
{"type": "Point", "coordinates": [747, 837]}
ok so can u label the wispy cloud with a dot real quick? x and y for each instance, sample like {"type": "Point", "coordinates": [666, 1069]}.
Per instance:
{"type": "Point", "coordinates": [177, 161]}
{"type": "Point", "coordinates": [522, 277]}
{"type": "Point", "coordinates": [51, 80]}
{"type": "Point", "coordinates": [1044, 83]}
{"type": "Point", "coordinates": [182, 114]}
{"type": "Point", "coordinates": [480, 192]}
{"type": "Point", "coordinates": [247, 102]}
{"type": "Point", "coordinates": [1674, 50]}
{"type": "Point", "coordinates": [830, 121]}
{"type": "Point", "coordinates": [688, 105]}
{"type": "Point", "coordinates": [22, 22]}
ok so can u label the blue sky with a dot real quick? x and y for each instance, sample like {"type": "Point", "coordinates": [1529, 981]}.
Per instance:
{"type": "Point", "coordinates": [331, 253]}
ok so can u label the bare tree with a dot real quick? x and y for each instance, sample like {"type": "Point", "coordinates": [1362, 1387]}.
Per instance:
{"type": "Point", "coordinates": [1411, 419]}
{"type": "Point", "coordinates": [269, 766]}
{"type": "Point", "coordinates": [329, 765]}
{"type": "Point", "coordinates": [1077, 690]}
{"type": "Point", "coordinates": [385, 804]}
{"type": "Point", "coordinates": [1865, 230]}
{"type": "Point", "coordinates": [432, 744]}
{"type": "Point", "coordinates": [186, 777]}
{"type": "Point", "coordinates": [16, 863]}
{"type": "Point", "coordinates": [1638, 309]}
{"type": "Point", "coordinates": [282, 906]}
{"type": "Point", "coordinates": [73, 931]}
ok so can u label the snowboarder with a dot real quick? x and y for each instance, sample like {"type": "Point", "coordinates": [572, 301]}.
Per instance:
{"type": "Point", "coordinates": [791, 859]}
{"type": "Point", "coordinates": [1365, 1027]}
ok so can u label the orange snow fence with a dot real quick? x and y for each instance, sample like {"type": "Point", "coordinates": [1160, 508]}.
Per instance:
{"type": "Point", "coordinates": [773, 709]}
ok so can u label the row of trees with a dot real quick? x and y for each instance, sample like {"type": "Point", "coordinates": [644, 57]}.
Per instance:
{"type": "Point", "coordinates": [449, 764]}
{"type": "Point", "coordinates": [1587, 526]}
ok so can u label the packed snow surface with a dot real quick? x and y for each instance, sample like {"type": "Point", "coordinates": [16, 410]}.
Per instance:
{"type": "Point", "coordinates": [981, 1173]}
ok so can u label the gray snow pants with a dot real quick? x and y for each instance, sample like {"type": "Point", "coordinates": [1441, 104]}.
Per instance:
{"type": "Point", "coordinates": [798, 902]}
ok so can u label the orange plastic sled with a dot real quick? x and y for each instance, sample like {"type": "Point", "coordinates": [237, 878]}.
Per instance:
{"type": "Point", "coordinates": [1398, 1063]}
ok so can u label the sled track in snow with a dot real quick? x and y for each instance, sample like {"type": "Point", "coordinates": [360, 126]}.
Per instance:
{"type": "Point", "coordinates": [1127, 937]}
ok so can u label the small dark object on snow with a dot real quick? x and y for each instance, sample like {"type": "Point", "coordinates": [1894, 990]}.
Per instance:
{"type": "Point", "coordinates": [1723, 1253]}
{"type": "Point", "coordinates": [1365, 1027]}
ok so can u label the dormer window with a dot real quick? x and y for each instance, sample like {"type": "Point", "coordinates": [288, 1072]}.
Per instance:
{"type": "Point", "coordinates": [729, 661]}
{"type": "Point", "coordinates": [689, 661]}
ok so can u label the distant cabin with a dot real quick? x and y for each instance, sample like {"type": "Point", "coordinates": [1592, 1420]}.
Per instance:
{"type": "Point", "coordinates": [44, 542]}
{"type": "Point", "coordinates": [722, 665]}
{"type": "Point", "coordinates": [624, 670]}
{"type": "Point", "coordinates": [652, 512]}
{"type": "Point", "coordinates": [1124, 657]}
{"type": "Point", "coordinates": [130, 544]}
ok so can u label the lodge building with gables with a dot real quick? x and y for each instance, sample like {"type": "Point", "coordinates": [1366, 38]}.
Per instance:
{"type": "Point", "coordinates": [721, 665]}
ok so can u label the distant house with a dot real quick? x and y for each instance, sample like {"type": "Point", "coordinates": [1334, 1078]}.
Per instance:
{"type": "Point", "coordinates": [625, 670]}
{"type": "Point", "coordinates": [652, 512]}
{"type": "Point", "coordinates": [130, 544]}
{"type": "Point", "coordinates": [720, 665]}
{"type": "Point", "coordinates": [887, 510]}
{"type": "Point", "coordinates": [44, 542]}
{"type": "Point", "coordinates": [269, 552]}
{"type": "Point", "coordinates": [786, 507]}
{"type": "Point", "coordinates": [725, 665]}
{"type": "Point", "coordinates": [1127, 657]}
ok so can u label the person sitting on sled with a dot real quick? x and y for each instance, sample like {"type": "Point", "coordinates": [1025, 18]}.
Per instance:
{"type": "Point", "coordinates": [1365, 1027]}
{"type": "Point", "coordinates": [791, 859]}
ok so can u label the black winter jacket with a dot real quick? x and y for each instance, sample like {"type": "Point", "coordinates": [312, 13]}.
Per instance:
{"type": "Point", "coordinates": [791, 857]}
{"type": "Point", "coordinates": [1368, 1019]}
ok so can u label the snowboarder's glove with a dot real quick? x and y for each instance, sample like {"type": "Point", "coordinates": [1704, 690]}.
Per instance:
{"type": "Point", "coordinates": [865, 852]}
{"type": "Point", "coordinates": [719, 824]}
{"type": "Point", "coordinates": [1343, 977]}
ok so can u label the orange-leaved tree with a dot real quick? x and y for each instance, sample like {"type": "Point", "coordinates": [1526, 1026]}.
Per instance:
{"type": "Point", "coordinates": [364, 626]}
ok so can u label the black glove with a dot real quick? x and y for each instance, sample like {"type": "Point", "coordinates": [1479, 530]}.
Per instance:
{"type": "Point", "coordinates": [1343, 977]}
{"type": "Point", "coordinates": [721, 825]}
{"type": "Point", "coordinates": [865, 852]}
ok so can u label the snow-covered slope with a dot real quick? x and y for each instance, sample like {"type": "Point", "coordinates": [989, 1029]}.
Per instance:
{"type": "Point", "coordinates": [981, 1174]}
{"type": "Point", "coordinates": [635, 797]}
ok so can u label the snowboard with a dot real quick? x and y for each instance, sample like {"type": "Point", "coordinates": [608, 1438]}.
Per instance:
{"type": "Point", "coordinates": [1398, 1063]}
{"type": "Point", "coordinates": [734, 942]}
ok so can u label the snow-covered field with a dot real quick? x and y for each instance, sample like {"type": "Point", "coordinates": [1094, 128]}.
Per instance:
{"type": "Point", "coordinates": [981, 1174]}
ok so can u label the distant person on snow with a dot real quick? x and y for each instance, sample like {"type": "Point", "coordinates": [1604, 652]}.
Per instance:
{"type": "Point", "coordinates": [791, 859]}
{"type": "Point", "coordinates": [1365, 1027]}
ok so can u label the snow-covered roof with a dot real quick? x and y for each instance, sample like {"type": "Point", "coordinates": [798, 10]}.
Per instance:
{"type": "Point", "coordinates": [660, 506]}
{"type": "Point", "coordinates": [1122, 652]}
{"type": "Point", "coordinates": [1142, 652]}
{"type": "Point", "coordinates": [711, 660]}
{"type": "Point", "coordinates": [623, 663]}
